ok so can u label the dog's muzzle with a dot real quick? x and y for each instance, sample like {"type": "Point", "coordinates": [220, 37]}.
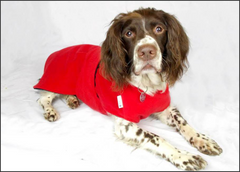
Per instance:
{"type": "Point", "coordinates": [147, 56]}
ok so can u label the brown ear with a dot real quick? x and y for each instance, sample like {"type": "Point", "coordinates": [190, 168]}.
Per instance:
{"type": "Point", "coordinates": [176, 49]}
{"type": "Point", "coordinates": [113, 55]}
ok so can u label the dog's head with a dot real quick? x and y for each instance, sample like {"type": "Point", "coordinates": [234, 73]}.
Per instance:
{"type": "Point", "coordinates": [144, 41]}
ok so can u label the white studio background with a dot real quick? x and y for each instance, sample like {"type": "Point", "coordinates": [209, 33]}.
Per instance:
{"type": "Point", "coordinates": [208, 95]}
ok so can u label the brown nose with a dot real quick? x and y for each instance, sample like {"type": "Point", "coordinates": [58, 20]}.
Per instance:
{"type": "Point", "coordinates": [147, 52]}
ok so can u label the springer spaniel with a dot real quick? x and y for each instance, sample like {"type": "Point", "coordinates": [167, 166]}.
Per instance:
{"type": "Point", "coordinates": [145, 52]}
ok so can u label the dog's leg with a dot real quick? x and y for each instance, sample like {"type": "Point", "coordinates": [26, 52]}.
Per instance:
{"type": "Point", "coordinates": [133, 135]}
{"type": "Point", "coordinates": [45, 101]}
{"type": "Point", "coordinates": [72, 101]}
{"type": "Point", "coordinates": [172, 117]}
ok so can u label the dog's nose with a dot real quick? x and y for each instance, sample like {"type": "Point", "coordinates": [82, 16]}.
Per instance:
{"type": "Point", "coordinates": [147, 52]}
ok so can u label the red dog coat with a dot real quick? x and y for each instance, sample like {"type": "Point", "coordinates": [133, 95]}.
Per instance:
{"type": "Point", "coordinates": [74, 71]}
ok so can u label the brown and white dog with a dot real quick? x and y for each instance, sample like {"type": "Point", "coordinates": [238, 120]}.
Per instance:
{"type": "Point", "coordinates": [147, 48]}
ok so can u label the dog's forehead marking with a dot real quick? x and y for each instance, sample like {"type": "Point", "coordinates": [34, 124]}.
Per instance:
{"type": "Point", "coordinates": [144, 26]}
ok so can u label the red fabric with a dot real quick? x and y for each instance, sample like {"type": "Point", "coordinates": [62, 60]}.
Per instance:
{"type": "Point", "coordinates": [71, 71]}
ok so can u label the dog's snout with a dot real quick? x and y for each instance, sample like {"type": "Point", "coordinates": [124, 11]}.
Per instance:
{"type": "Point", "coordinates": [147, 52]}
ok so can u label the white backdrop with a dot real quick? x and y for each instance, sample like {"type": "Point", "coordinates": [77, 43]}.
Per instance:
{"type": "Point", "coordinates": [208, 95]}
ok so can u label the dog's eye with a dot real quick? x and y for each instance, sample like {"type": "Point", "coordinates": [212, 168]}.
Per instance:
{"type": "Point", "coordinates": [129, 34]}
{"type": "Point", "coordinates": [158, 29]}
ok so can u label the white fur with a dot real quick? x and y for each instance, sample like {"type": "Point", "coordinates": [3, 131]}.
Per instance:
{"type": "Point", "coordinates": [144, 27]}
{"type": "Point", "coordinates": [45, 101]}
{"type": "Point", "coordinates": [172, 117]}
{"type": "Point", "coordinates": [129, 133]}
{"type": "Point", "coordinates": [156, 62]}
{"type": "Point", "coordinates": [151, 82]}
{"type": "Point", "coordinates": [148, 79]}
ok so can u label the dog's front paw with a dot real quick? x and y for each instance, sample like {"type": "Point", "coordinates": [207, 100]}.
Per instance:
{"type": "Point", "coordinates": [189, 162]}
{"type": "Point", "coordinates": [72, 102]}
{"type": "Point", "coordinates": [51, 115]}
{"type": "Point", "coordinates": [205, 145]}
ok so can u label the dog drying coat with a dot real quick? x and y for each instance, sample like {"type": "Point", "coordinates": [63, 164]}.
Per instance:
{"type": "Point", "coordinates": [74, 71]}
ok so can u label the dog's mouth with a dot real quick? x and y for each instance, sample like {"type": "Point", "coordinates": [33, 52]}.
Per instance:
{"type": "Point", "coordinates": [148, 68]}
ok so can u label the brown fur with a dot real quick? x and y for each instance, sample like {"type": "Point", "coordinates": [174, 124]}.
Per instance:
{"type": "Point", "coordinates": [116, 53]}
{"type": "Point", "coordinates": [176, 49]}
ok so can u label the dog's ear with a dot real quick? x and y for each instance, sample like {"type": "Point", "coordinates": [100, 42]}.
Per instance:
{"type": "Point", "coordinates": [175, 59]}
{"type": "Point", "coordinates": [113, 54]}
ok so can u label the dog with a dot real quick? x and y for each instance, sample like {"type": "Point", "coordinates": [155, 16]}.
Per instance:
{"type": "Point", "coordinates": [128, 78]}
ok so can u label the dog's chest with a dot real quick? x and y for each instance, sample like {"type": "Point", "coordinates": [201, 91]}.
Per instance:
{"type": "Point", "coordinates": [130, 103]}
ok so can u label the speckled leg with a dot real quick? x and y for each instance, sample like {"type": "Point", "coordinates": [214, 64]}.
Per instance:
{"type": "Point", "coordinates": [172, 117]}
{"type": "Point", "coordinates": [131, 134]}
{"type": "Point", "coordinates": [72, 101]}
{"type": "Point", "coordinates": [45, 101]}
